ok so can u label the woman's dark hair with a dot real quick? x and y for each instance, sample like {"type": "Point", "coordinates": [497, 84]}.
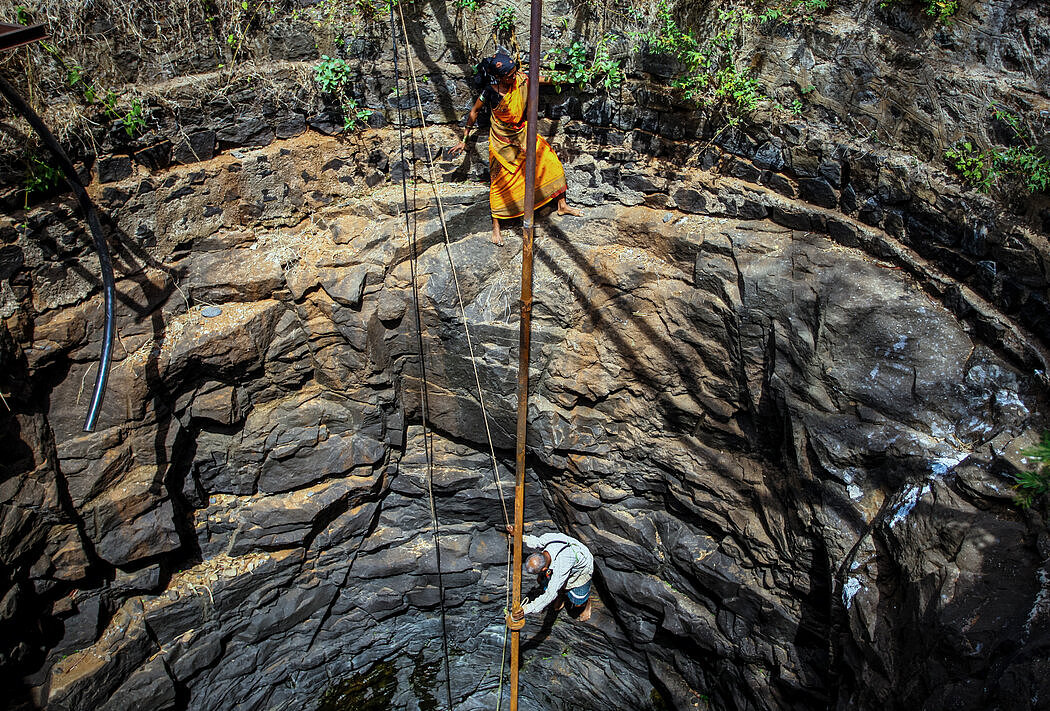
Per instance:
{"type": "Point", "coordinates": [488, 72]}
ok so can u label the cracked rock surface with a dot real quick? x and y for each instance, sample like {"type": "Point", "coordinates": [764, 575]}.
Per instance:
{"type": "Point", "coordinates": [788, 456]}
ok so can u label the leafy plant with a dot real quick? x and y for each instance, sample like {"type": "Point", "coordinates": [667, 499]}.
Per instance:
{"type": "Point", "coordinates": [973, 164]}
{"type": "Point", "coordinates": [41, 176]}
{"type": "Point", "coordinates": [371, 10]}
{"type": "Point", "coordinates": [943, 10]}
{"type": "Point", "coordinates": [1026, 164]}
{"type": "Point", "coordinates": [471, 5]}
{"type": "Point", "coordinates": [354, 114]}
{"type": "Point", "coordinates": [1033, 484]}
{"type": "Point", "coordinates": [505, 19]}
{"type": "Point", "coordinates": [575, 57]}
{"type": "Point", "coordinates": [134, 121]}
{"type": "Point", "coordinates": [246, 18]}
{"type": "Point", "coordinates": [738, 87]}
{"type": "Point", "coordinates": [336, 22]}
{"type": "Point", "coordinates": [578, 71]}
{"type": "Point", "coordinates": [333, 76]}
{"type": "Point", "coordinates": [711, 73]}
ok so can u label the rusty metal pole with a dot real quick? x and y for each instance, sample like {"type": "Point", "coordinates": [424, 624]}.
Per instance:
{"type": "Point", "coordinates": [525, 330]}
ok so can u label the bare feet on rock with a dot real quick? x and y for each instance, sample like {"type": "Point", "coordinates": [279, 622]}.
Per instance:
{"type": "Point", "coordinates": [496, 237]}
{"type": "Point", "coordinates": [564, 209]}
{"type": "Point", "coordinates": [586, 613]}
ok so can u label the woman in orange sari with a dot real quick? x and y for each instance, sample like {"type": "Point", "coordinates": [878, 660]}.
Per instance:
{"type": "Point", "coordinates": [507, 96]}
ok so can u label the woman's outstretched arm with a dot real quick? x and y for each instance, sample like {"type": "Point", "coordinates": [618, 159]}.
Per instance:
{"type": "Point", "coordinates": [472, 118]}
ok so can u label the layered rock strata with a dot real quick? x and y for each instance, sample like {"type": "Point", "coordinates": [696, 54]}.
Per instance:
{"type": "Point", "coordinates": [789, 458]}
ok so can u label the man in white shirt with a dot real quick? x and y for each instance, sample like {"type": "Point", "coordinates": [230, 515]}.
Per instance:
{"type": "Point", "coordinates": [563, 563]}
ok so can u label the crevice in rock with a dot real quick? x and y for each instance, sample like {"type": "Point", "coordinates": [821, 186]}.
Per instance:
{"type": "Point", "coordinates": [373, 524]}
{"type": "Point", "coordinates": [179, 475]}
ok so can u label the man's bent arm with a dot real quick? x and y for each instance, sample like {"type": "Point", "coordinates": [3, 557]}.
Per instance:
{"type": "Point", "coordinates": [554, 586]}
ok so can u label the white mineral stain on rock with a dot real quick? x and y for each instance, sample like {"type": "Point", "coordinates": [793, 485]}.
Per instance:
{"type": "Point", "coordinates": [908, 501]}
{"type": "Point", "coordinates": [914, 493]}
{"type": "Point", "coordinates": [1008, 398]}
{"type": "Point", "coordinates": [849, 591]}
{"type": "Point", "coordinates": [1041, 605]}
{"type": "Point", "coordinates": [942, 465]}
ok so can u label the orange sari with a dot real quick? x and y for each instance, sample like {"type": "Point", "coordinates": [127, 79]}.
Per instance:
{"type": "Point", "coordinates": [507, 157]}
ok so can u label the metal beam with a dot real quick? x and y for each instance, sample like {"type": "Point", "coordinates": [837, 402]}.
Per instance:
{"type": "Point", "coordinates": [525, 330]}
{"type": "Point", "coordinates": [12, 36]}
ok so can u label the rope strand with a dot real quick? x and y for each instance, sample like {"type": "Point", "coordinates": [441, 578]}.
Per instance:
{"type": "Point", "coordinates": [455, 275]}
{"type": "Point", "coordinates": [428, 443]}
{"type": "Point", "coordinates": [466, 328]}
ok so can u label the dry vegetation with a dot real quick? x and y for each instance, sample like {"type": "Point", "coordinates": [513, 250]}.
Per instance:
{"type": "Point", "coordinates": [110, 66]}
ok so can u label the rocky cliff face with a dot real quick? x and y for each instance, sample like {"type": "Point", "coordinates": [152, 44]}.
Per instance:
{"type": "Point", "coordinates": [781, 379]}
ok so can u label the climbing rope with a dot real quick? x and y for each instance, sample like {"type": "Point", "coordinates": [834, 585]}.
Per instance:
{"type": "Point", "coordinates": [459, 296]}
{"type": "Point", "coordinates": [455, 276]}
{"type": "Point", "coordinates": [428, 445]}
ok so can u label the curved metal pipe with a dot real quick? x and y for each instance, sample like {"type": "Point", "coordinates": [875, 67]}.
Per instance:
{"type": "Point", "coordinates": [104, 260]}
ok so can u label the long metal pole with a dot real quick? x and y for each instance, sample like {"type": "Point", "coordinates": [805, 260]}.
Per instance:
{"type": "Point", "coordinates": [525, 330]}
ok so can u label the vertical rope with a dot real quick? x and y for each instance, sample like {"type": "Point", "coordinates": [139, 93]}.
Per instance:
{"type": "Point", "coordinates": [459, 295]}
{"type": "Point", "coordinates": [455, 276]}
{"type": "Point", "coordinates": [428, 444]}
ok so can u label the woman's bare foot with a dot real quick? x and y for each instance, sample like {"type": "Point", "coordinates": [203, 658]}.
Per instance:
{"type": "Point", "coordinates": [496, 237]}
{"type": "Point", "coordinates": [564, 209]}
{"type": "Point", "coordinates": [586, 613]}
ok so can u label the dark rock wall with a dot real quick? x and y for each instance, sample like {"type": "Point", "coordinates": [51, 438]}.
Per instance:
{"type": "Point", "coordinates": [778, 390]}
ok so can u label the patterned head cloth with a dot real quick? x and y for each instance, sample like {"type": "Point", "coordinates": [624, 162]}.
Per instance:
{"type": "Point", "coordinates": [502, 65]}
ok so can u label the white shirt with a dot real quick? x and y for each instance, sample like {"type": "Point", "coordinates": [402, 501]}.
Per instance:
{"type": "Point", "coordinates": [571, 566]}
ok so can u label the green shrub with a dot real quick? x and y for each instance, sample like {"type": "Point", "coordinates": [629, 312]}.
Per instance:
{"type": "Point", "coordinates": [973, 164]}
{"type": "Point", "coordinates": [578, 70]}
{"type": "Point", "coordinates": [134, 120]}
{"type": "Point", "coordinates": [354, 114]}
{"type": "Point", "coordinates": [1024, 164]}
{"type": "Point", "coordinates": [333, 76]}
{"type": "Point", "coordinates": [711, 73]}
{"type": "Point", "coordinates": [505, 19]}
{"type": "Point", "coordinates": [41, 176]}
{"type": "Point", "coordinates": [335, 22]}
{"type": "Point", "coordinates": [739, 88]}
{"type": "Point", "coordinates": [1033, 484]}
{"type": "Point", "coordinates": [1027, 165]}
{"type": "Point", "coordinates": [943, 10]}
{"type": "Point", "coordinates": [787, 11]}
